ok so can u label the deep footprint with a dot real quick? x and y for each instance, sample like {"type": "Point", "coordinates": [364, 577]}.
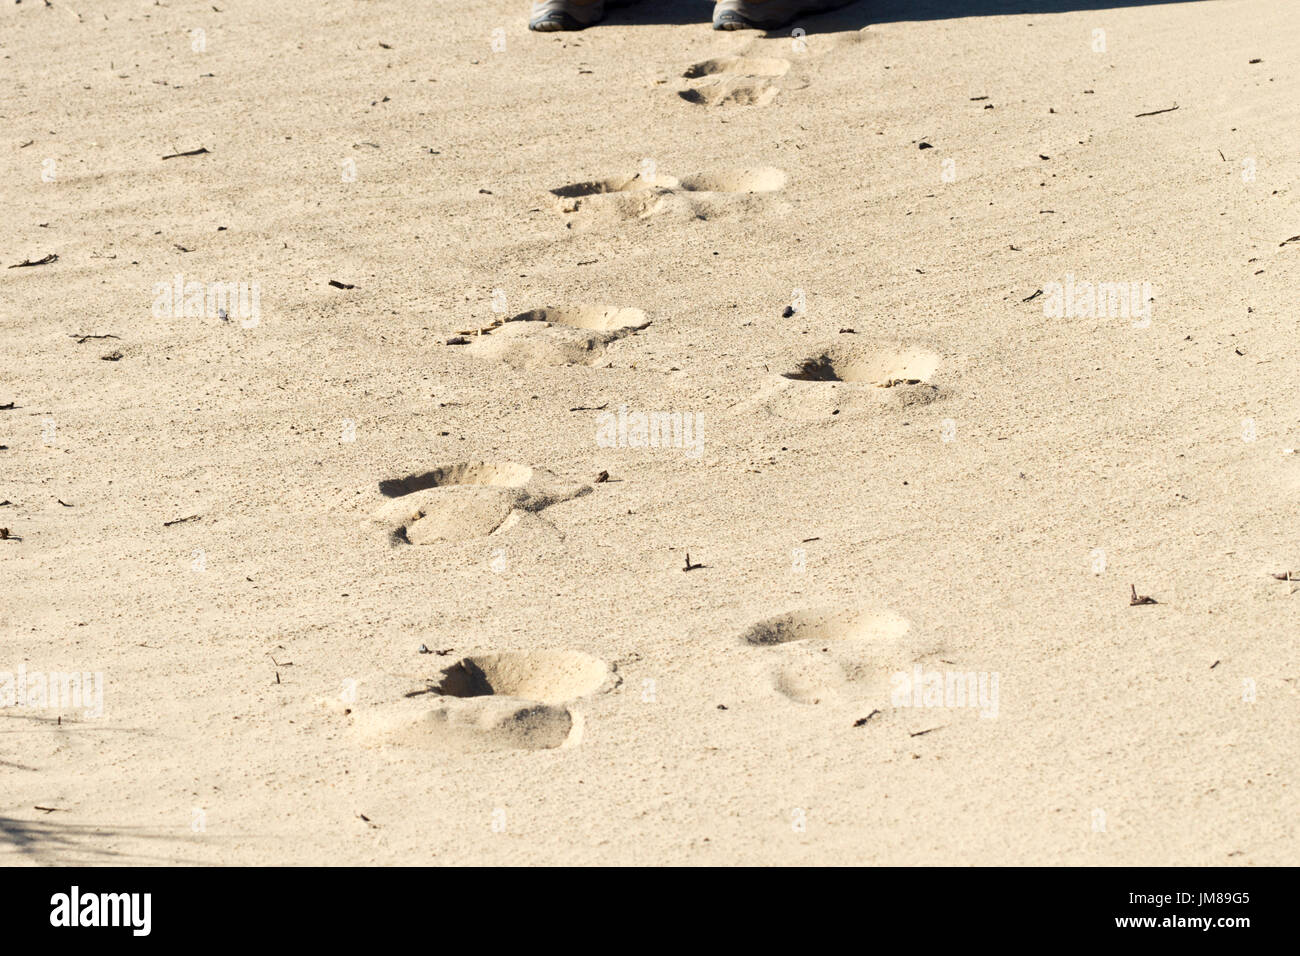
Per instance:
{"type": "Point", "coordinates": [567, 335]}
{"type": "Point", "coordinates": [826, 624]}
{"type": "Point", "coordinates": [853, 379]}
{"type": "Point", "coordinates": [883, 369]}
{"type": "Point", "coordinates": [705, 195]}
{"type": "Point", "coordinates": [473, 473]}
{"type": "Point", "coordinates": [467, 500]}
{"type": "Point", "coordinates": [825, 652]}
{"type": "Point", "coordinates": [514, 700]}
{"type": "Point", "coordinates": [731, 91]}
{"type": "Point", "coordinates": [734, 81]}
{"type": "Point", "coordinates": [550, 677]}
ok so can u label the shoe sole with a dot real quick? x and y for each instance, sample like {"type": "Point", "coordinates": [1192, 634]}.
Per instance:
{"type": "Point", "coordinates": [555, 22]}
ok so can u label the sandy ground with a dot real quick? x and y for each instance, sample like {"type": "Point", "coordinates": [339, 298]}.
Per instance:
{"type": "Point", "coordinates": [967, 482]}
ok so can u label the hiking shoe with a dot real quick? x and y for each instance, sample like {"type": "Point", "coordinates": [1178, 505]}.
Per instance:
{"type": "Point", "coordinates": [551, 15]}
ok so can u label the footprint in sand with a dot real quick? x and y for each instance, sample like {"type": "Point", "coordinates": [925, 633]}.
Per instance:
{"type": "Point", "coordinates": [708, 195]}
{"type": "Point", "coordinates": [565, 335]}
{"type": "Point", "coordinates": [854, 378]}
{"type": "Point", "coordinates": [827, 653]}
{"type": "Point", "coordinates": [467, 500]}
{"type": "Point", "coordinates": [734, 81]}
{"type": "Point", "coordinates": [515, 700]}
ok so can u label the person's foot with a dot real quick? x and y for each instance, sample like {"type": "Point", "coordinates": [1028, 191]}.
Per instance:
{"type": "Point", "coordinates": [765, 14]}
{"type": "Point", "coordinates": [551, 15]}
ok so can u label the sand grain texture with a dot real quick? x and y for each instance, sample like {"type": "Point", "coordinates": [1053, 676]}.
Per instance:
{"type": "Point", "coordinates": [986, 478]}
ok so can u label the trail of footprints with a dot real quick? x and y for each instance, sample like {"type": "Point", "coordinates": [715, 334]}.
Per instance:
{"type": "Point", "coordinates": [524, 700]}
{"type": "Point", "coordinates": [528, 700]}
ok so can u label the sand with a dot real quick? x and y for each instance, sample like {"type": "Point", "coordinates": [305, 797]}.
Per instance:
{"type": "Point", "coordinates": [410, 621]}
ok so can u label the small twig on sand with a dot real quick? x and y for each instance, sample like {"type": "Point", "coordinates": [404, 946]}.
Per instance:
{"type": "Point", "coordinates": [52, 257]}
{"type": "Point", "coordinates": [189, 152]}
{"type": "Point", "coordinates": [1137, 599]}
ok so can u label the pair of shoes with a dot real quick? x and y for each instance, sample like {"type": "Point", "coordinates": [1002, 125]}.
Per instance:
{"type": "Point", "coordinates": [551, 15]}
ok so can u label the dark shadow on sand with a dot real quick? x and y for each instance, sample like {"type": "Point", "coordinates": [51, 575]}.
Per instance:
{"type": "Point", "coordinates": [855, 16]}
{"type": "Point", "coordinates": [53, 842]}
